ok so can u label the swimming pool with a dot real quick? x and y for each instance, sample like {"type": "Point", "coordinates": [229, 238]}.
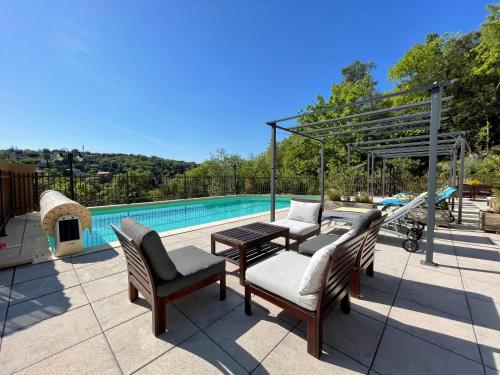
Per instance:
{"type": "Point", "coordinates": [175, 215]}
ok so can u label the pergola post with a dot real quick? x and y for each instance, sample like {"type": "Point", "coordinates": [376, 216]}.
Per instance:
{"type": "Point", "coordinates": [431, 188]}
{"type": "Point", "coordinates": [461, 178]}
{"type": "Point", "coordinates": [273, 170]}
{"type": "Point", "coordinates": [383, 177]}
{"type": "Point", "coordinates": [322, 172]}
{"type": "Point", "coordinates": [453, 174]}
{"type": "Point", "coordinates": [372, 170]}
{"type": "Point", "coordinates": [368, 174]}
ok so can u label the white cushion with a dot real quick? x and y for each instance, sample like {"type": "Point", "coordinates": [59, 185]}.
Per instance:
{"type": "Point", "coordinates": [297, 228]}
{"type": "Point", "coordinates": [281, 275]}
{"type": "Point", "coordinates": [306, 212]}
{"type": "Point", "coordinates": [313, 275]}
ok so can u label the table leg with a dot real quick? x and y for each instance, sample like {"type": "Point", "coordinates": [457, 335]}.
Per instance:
{"type": "Point", "coordinates": [243, 264]}
{"type": "Point", "coordinates": [212, 245]}
{"type": "Point", "coordinates": [287, 241]}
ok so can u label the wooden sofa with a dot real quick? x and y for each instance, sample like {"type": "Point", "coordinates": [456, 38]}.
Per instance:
{"type": "Point", "coordinates": [195, 269]}
{"type": "Point", "coordinates": [334, 280]}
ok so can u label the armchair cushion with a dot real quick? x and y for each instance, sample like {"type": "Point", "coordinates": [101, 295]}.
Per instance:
{"type": "Point", "coordinates": [363, 222]}
{"type": "Point", "coordinates": [306, 212]}
{"type": "Point", "coordinates": [297, 228]}
{"type": "Point", "coordinates": [309, 247]}
{"type": "Point", "coordinates": [281, 275]}
{"type": "Point", "coordinates": [149, 241]}
{"type": "Point", "coordinates": [313, 275]}
{"type": "Point", "coordinates": [193, 265]}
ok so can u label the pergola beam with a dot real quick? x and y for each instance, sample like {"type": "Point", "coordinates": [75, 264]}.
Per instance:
{"type": "Point", "coordinates": [411, 144]}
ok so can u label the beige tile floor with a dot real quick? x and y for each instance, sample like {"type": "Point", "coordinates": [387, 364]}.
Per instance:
{"type": "Point", "coordinates": [73, 316]}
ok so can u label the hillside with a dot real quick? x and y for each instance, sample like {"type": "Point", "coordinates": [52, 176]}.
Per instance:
{"type": "Point", "coordinates": [91, 162]}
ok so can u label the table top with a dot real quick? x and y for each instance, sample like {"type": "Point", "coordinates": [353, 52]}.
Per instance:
{"type": "Point", "coordinates": [250, 233]}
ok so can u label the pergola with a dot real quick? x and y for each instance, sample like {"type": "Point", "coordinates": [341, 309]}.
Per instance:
{"type": "Point", "coordinates": [424, 116]}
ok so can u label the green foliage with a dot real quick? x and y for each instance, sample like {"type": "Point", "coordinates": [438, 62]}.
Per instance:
{"type": "Point", "coordinates": [363, 197]}
{"type": "Point", "coordinates": [333, 195]}
{"type": "Point", "coordinates": [341, 180]}
{"type": "Point", "coordinates": [488, 170]}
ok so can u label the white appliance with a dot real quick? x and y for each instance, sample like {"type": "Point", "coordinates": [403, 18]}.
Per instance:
{"type": "Point", "coordinates": [69, 238]}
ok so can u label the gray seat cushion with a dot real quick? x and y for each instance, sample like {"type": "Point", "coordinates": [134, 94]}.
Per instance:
{"type": "Point", "coordinates": [309, 247]}
{"type": "Point", "coordinates": [364, 221]}
{"type": "Point", "coordinates": [149, 241]}
{"type": "Point", "coordinates": [193, 265]}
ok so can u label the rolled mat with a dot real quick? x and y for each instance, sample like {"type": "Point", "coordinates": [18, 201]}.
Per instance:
{"type": "Point", "coordinates": [54, 204]}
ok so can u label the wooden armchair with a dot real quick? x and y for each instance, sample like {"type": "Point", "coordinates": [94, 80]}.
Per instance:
{"type": "Point", "coordinates": [334, 285]}
{"type": "Point", "coordinates": [195, 269]}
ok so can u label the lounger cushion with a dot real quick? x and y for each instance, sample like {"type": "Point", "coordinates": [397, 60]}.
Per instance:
{"type": "Point", "coordinates": [297, 228]}
{"type": "Point", "coordinates": [149, 241]}
{"type": "Point", "coordinates": [363, 222]}
{"type": "Point", "coordinates": [282, 275]}
{"type": "Point", "coordinates": [306, 212]}
{"type": "Point", "coordinates": [310, 247]}
{"type": "Point", "coordinates": [193, 265]}
{"type": "Point", "coordinates": [313, 275]}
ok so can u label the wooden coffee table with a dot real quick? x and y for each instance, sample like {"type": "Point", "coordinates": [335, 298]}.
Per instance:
{"type": "Point", "coordinates": [249, 244]}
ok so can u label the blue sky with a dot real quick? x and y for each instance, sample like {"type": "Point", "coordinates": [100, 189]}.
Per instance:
{"type": "Point", "coordinates": [182, 79]}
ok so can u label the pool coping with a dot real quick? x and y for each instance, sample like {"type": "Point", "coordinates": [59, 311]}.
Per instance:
{"type": "Point", "coordinates": [173, 232]}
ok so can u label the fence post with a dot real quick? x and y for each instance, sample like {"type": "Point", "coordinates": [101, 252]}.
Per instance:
{"type": "Point", "coordinates": [2, 231]}
{"type": "Point", "coordinates": [35, 191]}
{"type": "Point", "coordinates": [127, 186]}
{"type": "Point", "coordinates": [13, 192]}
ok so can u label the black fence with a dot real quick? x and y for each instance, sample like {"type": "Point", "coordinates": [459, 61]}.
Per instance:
{"type": "Point", "coordinates": [106, 189]}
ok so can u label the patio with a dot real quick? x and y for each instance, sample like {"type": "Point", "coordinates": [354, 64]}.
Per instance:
{"type": "Point", "coordinates": [73, 315]}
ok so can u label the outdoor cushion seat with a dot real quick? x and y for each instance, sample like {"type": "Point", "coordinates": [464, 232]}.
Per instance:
{"type": "Point", "coordinates": [309, 247]}
{"type": "Point", "coordinates": [297, 228]}
{"type": "Point", "coordinates": [282, 276]}
{"type": "Point", "coordinates": [193, 265]}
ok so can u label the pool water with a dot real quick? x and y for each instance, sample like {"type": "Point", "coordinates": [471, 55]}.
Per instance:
{"type": "Point", "coordinates": [175, 215]}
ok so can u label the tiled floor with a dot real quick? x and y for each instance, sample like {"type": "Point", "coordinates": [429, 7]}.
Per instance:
{"type": "Point", "coordinates": [73, 316]}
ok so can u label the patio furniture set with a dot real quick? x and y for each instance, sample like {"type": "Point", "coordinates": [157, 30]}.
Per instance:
{"type": "Point", "coordinates": [309, 283]}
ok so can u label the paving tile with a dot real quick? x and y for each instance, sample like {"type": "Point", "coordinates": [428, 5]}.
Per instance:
{"type": "Point", "coordinates": [46, 338]}
{"type": "Point", "coordinates": [35, 271]}
{"type": "Point", "coordinates": [485, 314]}
{"type": "Point", "coordinates": [248, 339]}
{"type": "Point", "coordinates": [95, 257]}
{"type": "Point", "coordinates": [117, 309]}
{"type": "Point", "coordinates": [353, 334]}
{"type": "Point", "coordinates": [106, 286]}
{"type": "Point", "coordinates": [92, 356]}
{"type": "Point", "coordinates": [274, 310]}
{"type": "Point", "coordinates": [447, 331]}
{"type": "Point", "coordinates": [135, 345]}
{"type": "Point", "coordinates": [492, 278]}
{"type": "Point", "coordinates": [101, 269]}
{"type": "Point", "coordinates": [44, 285]}
{"type": "Point", "coordinates": [44, 307]}
{"type": "Point", "coordinates": [4, 303]}
{"type": "Point", "coordinates": [487, 325]}
{"type": "Point", "coordinates": [401, 353]}
{"type": "Point", "coordinates": [204, 307]}
{"type": "Point", "coordinates": [6, 277]}
{"type": "Point", "coordinates": [449, 300]}
{"type": "Point", "coordinates": [482, 290]}
{"type": "Point", "coordinates": [196, 355]}
{"type": "Point", "coordinates": [387, 279]}
{"type": "Point", "coordinates": [291, 357]}
{"type": "Point", "coordinates": [373, 303]}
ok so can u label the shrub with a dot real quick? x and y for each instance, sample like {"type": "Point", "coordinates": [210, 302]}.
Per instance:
{"type": "Point", "coordinates": [363, 197]}
{"type": "Point", "coordinates": [333, 195]}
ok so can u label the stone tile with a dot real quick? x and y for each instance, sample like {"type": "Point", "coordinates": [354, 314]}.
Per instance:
{"type": "Point", "coordinates": [447, 331]}
{"type": "Point", "coordinates": [204, 307]}
{"type": "Point", "coordinates": [484, 313]}
{"type": "Point", "coordinates": [44, 285]}
{"type": "Point", "coordinates": [291, 357]}
{"type": "Point", "coordinates": [401, 353]}
{"type": "Point", "coordinates": [50, 336]}
{"type": "Point", "coordinates": [449, 300]}
{"type": "Point", "coordinates": [343, 332]}
{"type": "Point", "coordinates": [248, 339]}
{"type": "Point", "coordinates": [429, 275]}
{"type": "Point", "coordinates": [4, 303]}
{"type": "Point", "coordinates": [96, 257]}
{"type": "Point", "coordinates": [35, 271]}
{"type": "Point", "coordinates": [274, 310]}
{"type": "Point", "coordinates": [196, 355]}
{"type": "Point", "coordinates": [117, 309]}
{"type": "Point", "coordinates": [6, 277]}
{"type": "Point", "coordinates": [492, 278]}
{"type": "Point", "coordinates": [106, 286]}
{"type": "Point", "coordinates": [386, 280]}
{"type": "Point", "coordinates": [92, 356]}
{"type": "Point", "coordinates": [482, 290]}
{"type": "Point", "coordinates": [41, 308]}
{"type": "Point", "coordinates": [487, 326]}
{"type": "Point", "coordinates": [490, 371]}
{"type": "Point", "coordinates": [101, 269]}
{"type": "Point", "coordinates": [373, 303]}
{"type": "Point", "coordinates": [135, 345]}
